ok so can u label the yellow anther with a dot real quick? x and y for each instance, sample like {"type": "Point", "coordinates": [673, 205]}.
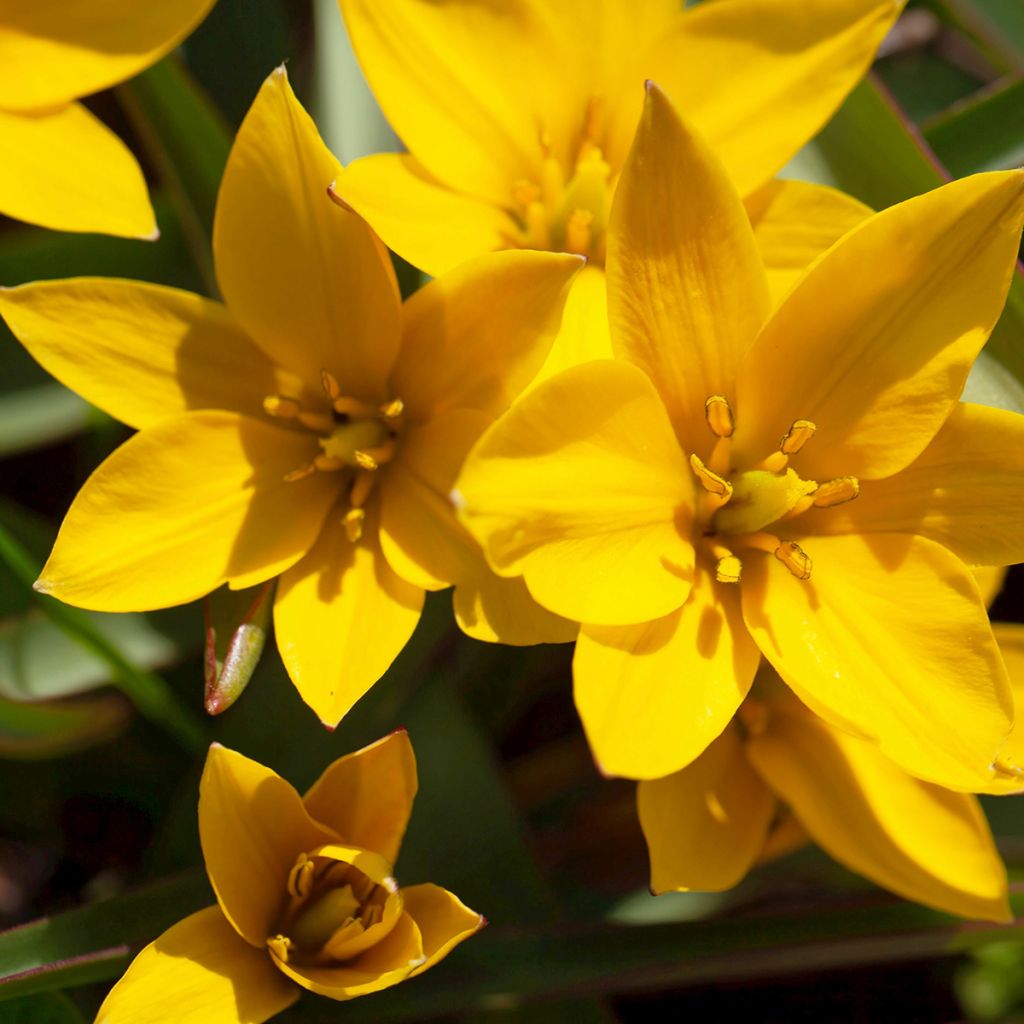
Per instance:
{"type": "Point", "coordinates": [353, 523]}
{"type": "Point", "coordinates": [300, 878]}
{"type": "Point", "coordinates": [578, 232]}
{"type": "Point", "coordinates": [377, 455]}
{"type": "Point", "coordinates": [525, 192]}
{"type": "Point", "coordinates": [328, 464]}
{"type": "Point", "coordinates": [281, 406]}
{"type": "Point", "coordinates": [774, 463]}
{"type": "Point", "coordinates": [321, 422]}
{"type": "Point", "coordinates": [280, 946]}
{"type": "Point", "coordinates": [364, 460]}
{"type": "Point", "coordinates": [835, 492]}
{"type": "Point", "coordinates": [767, 542]}
{"type": "Point", "coordinates": [1006, 768]}
{"type": "Point", "coordinates": [711, 482]}
{"type": "Point", "coordinates": [795, 559]}
{"type": "Point", "coordinates": [797, 436]}
{"type": "Point", "coordinates": [361, 488]}
{"type": "Point", "coordinates": [330, 384]}
{"type": "Point", "coordinates": [718, 413]}
{"type": "Point", "coordinates": [728, 569]}
{"type": "Point", "coordinates": [299, 474]}
{"type": "Point", "coordinates": [393, 409]}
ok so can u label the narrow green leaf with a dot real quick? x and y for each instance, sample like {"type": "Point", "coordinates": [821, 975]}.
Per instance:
{"type": "Point", "coordinates": [49, 1008]}
{"type": "Point", "coordinates": [996, 26]}
{"type": "Point", "coordinates": [58, 728]}
{"type": "Point", "coordinates": [40, 416]}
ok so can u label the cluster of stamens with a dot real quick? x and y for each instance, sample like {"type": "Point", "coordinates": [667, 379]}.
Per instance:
{"type": "Point", "coordinates": [736, 507]}
{"type": "Point", "coordinates": [355, 438]}
{"type": "Point", "coordinates": [330, 907]}
{"type": "Point", "coordinates": [567, 215]}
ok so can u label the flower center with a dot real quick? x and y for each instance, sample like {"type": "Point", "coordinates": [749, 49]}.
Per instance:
{"type": "Point", "coordinates": [356, 438]}
{"type": "Point", "coordinates": [566, 209]}
{"type": "Point", "coordinates": [333, 912]}
{"type": "Point", "coordinates": [738, 506]}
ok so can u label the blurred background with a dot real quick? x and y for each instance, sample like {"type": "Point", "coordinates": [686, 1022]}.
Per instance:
{"type": "Point", "coordinates": [102, 729]}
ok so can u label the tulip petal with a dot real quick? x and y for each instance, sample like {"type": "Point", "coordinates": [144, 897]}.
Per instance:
{"type": "Point", "coordinates": [472, 89]}
{"type": "Point", "coordinates": [877, 361]}
{"type": "Point", "coordinates": [198, 972]}
{"type": "Point", "coordinates": [583, 335]}
{"type": "Point", "coordinates": [921, 841]}
{"type": "Point", "coordinates": [582, 489]}
{"type": "Point", "coordinates": [686, 290]}
{"type": "Point", "coordinates": [65, 169]}
{"type": "Point", "coordinates": [63, 49]}
{"type": "Point", "coordinates": [965, 490]}
{"type": "Point", "coordinates": [366, 796]}
{"type": "Point", "coordinates": [387, 963]}
{"type": "Point", "coordinates": [342, 616]}
{"type": "Point", "coordinates": [477, 336]}
{"type": "Point", "coordinates": [653, 696]}
{"type": "Point", "coordinates": [888, 638]}
{"type": "Point", "coordinates": [794, 223]}
{"type": "Point", "coordinates": [252, 826]}
{"type": "Point", "coordinates": [426, 223]}
{"type": "Point", "coordinates": [758, 78]}
{"type": "Point", "coordinates": [443, 920]}
{"type": "Point", "coordinates": [1009, 777]}
{"type": "Point", "coordinates": [183, 507]}
{"type": "Point", "coordinates": [705, 825]}
{"type": "Point", "coordinates": [141, 352]}
{"type": "Point", "coordinates": [307, 279]}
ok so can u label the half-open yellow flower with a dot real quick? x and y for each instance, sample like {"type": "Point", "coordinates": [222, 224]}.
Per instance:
{"type": "Point", "coordinates": [59, 166]}
{"type": "Point", "coordinates": [802, 484]}
{"type": "Point", "coordinates": [306, 896]}
{"type": "Point", "coordinates": [518, 116]}
{"type": "Point", "coordinates": [709, 823]}
{"type": "Point", "coordinates": [311, 427]}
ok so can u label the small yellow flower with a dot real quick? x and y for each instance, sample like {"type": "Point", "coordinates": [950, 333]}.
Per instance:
{"type": "Point", "coordinates": [779, 773]}
{"type": "Point", "coordinates": [59, 166]}
{"type": "Point", "coordinates": [306, 897]}
{"type": "Point", "coordinates": [801, 484]}
{"type": "Point", "coordinates": [518, 116]}
{"type": "Point", "coordinates": [310, 428]}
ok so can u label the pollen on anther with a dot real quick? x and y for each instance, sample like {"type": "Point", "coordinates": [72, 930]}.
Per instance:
{"type": "Point", "coordinates": [795, 559]}
{"type": "Point", "coordinates": [797, 436]}
{"type": "Point", "coordinates": [281, 406]}
{"type": "Point", "coordinates": [353, 523]}
{"type": "Point", "coordinates": [711, 482]}
{"type": "Point", "coordinates": [393, 409]}
{"type": "Point", "coordinates": [836, 492]}
{"type": "Point", "coordinates": [718, 413]}
{"type": "Point", "coordinates": [728, 569]}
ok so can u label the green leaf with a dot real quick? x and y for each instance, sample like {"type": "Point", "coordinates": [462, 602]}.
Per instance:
{"type": "Point", "coordinates": [94, 942]}
{"type": "Point", "coordinates": [59, 728]}
{"type": "Point", "coordinates": [49, 1008]}
{"type": "Point", "coordinates": [996, 26]}
{"type": "Point", "coordinates": [37, 417]}
{"type": "Point", "coordinates": [237, 622]}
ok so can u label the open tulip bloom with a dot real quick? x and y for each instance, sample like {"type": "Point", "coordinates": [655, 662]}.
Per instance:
{"type": "Point", "coordinates": [799, 484]}
{"type": "Point", "coordinates": [60, 166]}
{"type": "Point", "coordinates": [311, 428]}
{"type": "Point", "coordinates": [306, 897]}
{"type": "Point", "coordinates": [518, 116]}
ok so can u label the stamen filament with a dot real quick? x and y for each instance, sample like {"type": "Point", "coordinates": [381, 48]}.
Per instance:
{"type": "Point", "coordinates": [354, 408]}
{"type": "Point", "coordinates": [767, 542]}
{"type": "Point", "coordinates": [328, 464]}
{"type": "Point", "coordinates": [774, 463]}
{"type": "Point", "coordinates": [577, 232]}
{"type": "Point", "coordinates": [361, 488]}
{"type": "Point", "coordinates": [318, 421]}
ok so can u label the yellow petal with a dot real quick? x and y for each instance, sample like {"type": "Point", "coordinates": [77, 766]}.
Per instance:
{"type": "Point", "coordinates": [63, 49]}
{"type": "Point", "coordinates": [888, 637]}
{"type": "Point", "coordinates": [198, 972]}
{"type": "Point", "coordinates": [990, 581]}
{"type": "Point", "coordinates": [878, 361]}
{"type": "Point", "coordinates": [193, 502]}
{"type": "Point", "coordinates": [794, 223]}
{"type": "Point", "coordinates": [387, 963]}
{"type": "Point", "coordinates": [705, 825]}
{"type": "Point", "coordinates": [65, 169]}
{"type": "Point", "coordinates": [307, 279]}
{"type": "Point", "coordinates": [965, 491]}
{"type": "Point", "coordinates": [500, 609]}
{"type": "Point", "coordinates": [1010, 637]}
{"type": "Point", "coordinates": [472, 88]}
{"type": "Point", "coordinates": [581, 488]}
{"type": "Point", "coordinates": [653, 696]}
{"type": "Point", "coordinates": [583, 335]}
{"type": "Point", "coordinates": [426, 223]}
{"type": "Point", "coordinates": [141, 352]}
{"type": "Point", "coordinates": [341, 617]}
{"type": "Point", "coordinates": [759, 77]}
{"type": "Point", "coordinates": [443, 919]}
{"type": "Point", "coordinates": [366, 796]}
{"type": "Point", "coordinates": [477, 336]}
{"type": "Point", "coordinates": [686, 290]}
{"type": "Point", "coordinates": [252, 826]}
{"type": "Point", "coordinates": [921, 841]}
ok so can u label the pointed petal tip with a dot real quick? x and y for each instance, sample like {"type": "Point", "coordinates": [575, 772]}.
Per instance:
{"type": "Point", "coordinates": [400, 730]}
{"type": "Point", "coordinates": [150, 236]}
{"type": "Point", "coordinates": [43, 586]}
{"type": "Point", "coordinates": [482, 923]}
{"type": "Point", "coordinates": [281, 71]}
{"type": "Point", "coordinates": [332, 194]}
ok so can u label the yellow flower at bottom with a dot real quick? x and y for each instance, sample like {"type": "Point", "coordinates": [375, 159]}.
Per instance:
{"type": "Point", "coordinates": [305, 896]}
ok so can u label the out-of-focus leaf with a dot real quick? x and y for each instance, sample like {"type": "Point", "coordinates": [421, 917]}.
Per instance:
{"type": "Point", "coordinates": [36, 417]}
{"type": "Point", "coordinates": [985, 133]}
{"type": "Point", "coordinates": [236, 632]}
{"type": "Point", "coordinates": [93, 942]}
{"type": "Point", "coordinates": [991, 984]}
{"type": "Point", "coordinates": [58, 728]}
{"type": "Point", "coordinates": [924, 83]}
{"type": "Point", "coordinates": [39, 660]}
{"type": "Point", "coordinates": [48, 1008]}
{"type": "Point", "coordinates": [576, 1011]}
{"type": "Point", "coordinates": [996, 26]}
{"type": "Point", "coordinates": [990, 383]}
{"type": "Point", "coordinates": [35, 536]}
{"type": "Point", "coordinates": [187, 139]}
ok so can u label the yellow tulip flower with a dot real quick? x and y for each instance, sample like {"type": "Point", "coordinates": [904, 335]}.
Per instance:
{"type": "Point", "coordinates": [309, 428]}
{"type": "Point", "coordinates": [709, 823]}
{"type": "Point", "coordinates": [801, 484]}
{"type": "Point", "coordinates": [306, 898]}
{"type": "Point", "coordinates": [60, 167]}
{"type": "Point", "coordinates": [518, 116]}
